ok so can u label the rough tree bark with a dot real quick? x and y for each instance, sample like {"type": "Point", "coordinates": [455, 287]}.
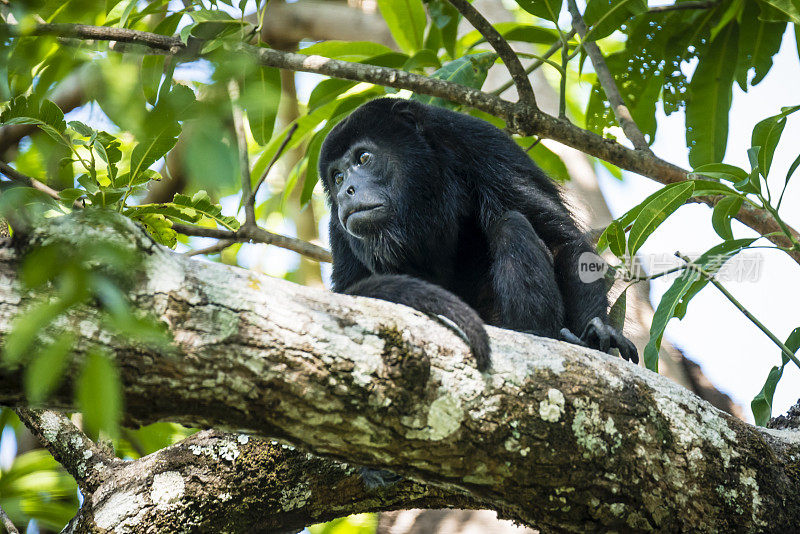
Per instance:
{"type": "Point", "coordinates": [554, 436]}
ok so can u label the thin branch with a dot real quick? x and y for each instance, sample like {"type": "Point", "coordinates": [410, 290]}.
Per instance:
{"type": "Point", "coordinates": [258, 235]}
{"type": "Point", "coordinates": [621, 111]}
{"type": "Point", "coordinates": [14, 175]}
{"type": "Point", "coordinates": [502, 48]}
{"type": "Point", "coordinates": [520, 118]}
{"type": "Point", "coordinates": [7, 523]}
{"type": "Point", "coordinates": [710, 277]}
{"type": "Point", "coordinates": [216, 248]}
{"type": "Point", "coordinates": [80, 456]}
{"type": "Point", "coordinates": [536, 64]}
{"type": "Point", "coordinates": [272, 162]}
{"type": "Point", "coordinates": [684, 5]}
{"type": "Point", "coordinates": [244, 160]}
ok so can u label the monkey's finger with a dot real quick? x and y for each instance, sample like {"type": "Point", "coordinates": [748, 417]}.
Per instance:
{"type": "Point", "coordinates": [597, 335]}
{"type": "Point", "coordinates": [569, 337]}
{"type": "Point", "coordinates": [626, 348]}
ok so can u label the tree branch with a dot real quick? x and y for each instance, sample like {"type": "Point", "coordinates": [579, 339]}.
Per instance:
{"type": "Point", "coordinates": [621, 111]}
{"type": "Point", "coordinates": [14, 175]}
{"type": "Point", "coordinates": [555, 436]}
{"type": "Point", "coordinates": [88, 464]}
{"type": "Point", "coordinates": [244, 161]}
{"type": "Point", "coordinates": [216, 482]}
{"type": "Point", "coordinates": [503, 49]}
{"type": "Point", "coordinates": [520, 118]}
{"type": "Point", "coordinates": [258, 235]}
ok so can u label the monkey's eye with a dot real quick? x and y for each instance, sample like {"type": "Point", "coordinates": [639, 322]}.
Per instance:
{"type": "Point", "coordinates": [364, 157]}
{"type": "Point", "coordinates": [338, 176]}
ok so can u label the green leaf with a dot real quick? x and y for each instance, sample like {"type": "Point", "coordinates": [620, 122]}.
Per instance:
{"type": "Point", "coordinates": [766, 134]}
{"type": "Point", "coordinates": [423, 58]}
{"type": "Point", "coordinates": [46, 369]}
{"type": "Point", "coordinates": [470, 70]}
{"type": "Point", "coordinates": [677, 297]}
{"type": "Point", "coordinates": [187, 209]}
{"type": "Point", "coordinates": [406, 20]}
{"type": "Point", "coordinates": [723, 171]}
{"type": "Point", "coordinates": [615, 236]}
{"type": "Point", "coordinates": [724, 211]}
{"type": "Point", "coordinates": [148, 151]}
{"type": "Point", "coordinates": [616, 315]}
{"type": "Point", "coordinates": [261, 95]}
{"type": "Point", "coordinates": [664, 312]}
{"type": "Point", "coordinates": [328, 90]}
{"type": "Point", "coordinates": [28, 110]}
{"type": "Point", "coordinates": [25, 328]}
{"type": "Point", "coordinates": [760, 40]}
{"type": "Point", "coordinates": [80, 128]}
{"type": "Point", "coordinates": [545, 9]}
{"type": "Point", "coordinates": [347, 50]}
{"type": "Point", "coordinates": [709, 100]}
{"type": "Point", "coordinates": [781, 10]}
{"type": "Point", "coordinates": [550, 162]}
{"type": "Point", "coordinates": [159, 228]}
{"type": "Point", "coordinates": [603, 17]}
{"type": "Point", "coordinates": [656, 212]}
{"type": "Point", "coordinates": [99, 395]}
{"type": "Point", "coordinates": [761, 405]}
{"type": "Point", "coordinates": [151, 71]}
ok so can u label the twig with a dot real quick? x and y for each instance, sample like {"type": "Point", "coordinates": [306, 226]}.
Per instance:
{"type": "Point", "coordinates": [621, 111]}
{"type": "Point", "coordinates": [710, 277]}
{"type": "Point", "coordinates": [217, 247]}
{"type": "Point", "coordinates": [7, 523]}
{"type": "Point", "coordinates": [244, 160]}
{"type": "Point", "coordinates": [502, 48]}
{"type": "Point", "coordinates": [520, 118]}
{"type": "Point", "coordinates": [80, 456]}
{"type": "Point", "coordinates": [272, 162]}
{"type": "Point", "coordinates": [258, 235]}
{"type": "Point", "coordinates": [13, 174]}
{"type": "Point", "coordinates": [684, 5]}
{"type": "Point", "coordinates": [536, 64]}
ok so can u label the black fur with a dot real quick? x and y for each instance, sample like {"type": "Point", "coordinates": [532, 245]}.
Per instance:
{"type": "Point", "coordinates": [446, 214]}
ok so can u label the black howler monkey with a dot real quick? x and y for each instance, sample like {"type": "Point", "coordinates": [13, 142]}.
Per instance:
{"type": "Point", "coordinates": [443, 212]}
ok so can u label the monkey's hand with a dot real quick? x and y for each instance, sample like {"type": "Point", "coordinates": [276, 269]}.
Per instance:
{"type": "Point", "coordinates": [434, 301]}
{"type": "Point", "coordinates": [598, 335]}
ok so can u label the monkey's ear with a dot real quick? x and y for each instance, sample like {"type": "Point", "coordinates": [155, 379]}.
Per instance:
{"type": "Point", "coordinates": [409, 112]}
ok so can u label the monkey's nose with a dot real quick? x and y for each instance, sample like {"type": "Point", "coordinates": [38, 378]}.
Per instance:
{"type": "Point", "coordinates": [351, 191]}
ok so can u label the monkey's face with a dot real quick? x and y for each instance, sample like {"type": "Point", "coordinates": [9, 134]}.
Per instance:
{"type": "Point", "coordinates": [359, 184]}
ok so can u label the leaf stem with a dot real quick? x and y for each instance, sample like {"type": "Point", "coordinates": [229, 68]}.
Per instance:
{"type": "Point", "coordinates": [708, 276]}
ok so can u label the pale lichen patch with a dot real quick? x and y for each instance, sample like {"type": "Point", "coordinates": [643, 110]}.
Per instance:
{"type": "Point", "coordinates": [167, 488]}
{"type": "Point", "coordinates": [595, 435]}
{"type": "Point", "coordinates": [552, 408]}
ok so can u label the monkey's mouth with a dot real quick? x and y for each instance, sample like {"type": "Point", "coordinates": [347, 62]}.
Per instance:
{"type": "Point", "coordinates": [364, 220]}
{"type": "Point", "coordinates": [361, 212]}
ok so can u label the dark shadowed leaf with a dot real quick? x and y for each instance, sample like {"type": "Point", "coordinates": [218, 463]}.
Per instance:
{"type": "Point", "coordinates": [710, 99]}
{"type": "Point", "coordinates": [99, 395]}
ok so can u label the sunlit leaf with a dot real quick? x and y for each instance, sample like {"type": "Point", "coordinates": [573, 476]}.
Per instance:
{"type": "Point", "coordinates": [406, 20]}
{"type": "Point", "coordinates": [656, 211]}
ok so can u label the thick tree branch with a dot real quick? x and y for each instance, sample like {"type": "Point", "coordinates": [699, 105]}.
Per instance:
{"type": "Point", "coordinates": [520, 118]}
{"type": "Point", "coordinates": [216, 482]}
{"type": "Point", "coordinates": [621, 111]}
{"type": "Point", "coordinates": [503, 49]}
{"type": "Point", "coordinates": [554, 436]}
